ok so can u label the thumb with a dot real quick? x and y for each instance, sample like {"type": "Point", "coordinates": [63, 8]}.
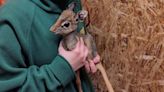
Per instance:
{"type": "Point", "coordinates": [96, 60]}
{"type": "Point", "coordinates": [61, 48]}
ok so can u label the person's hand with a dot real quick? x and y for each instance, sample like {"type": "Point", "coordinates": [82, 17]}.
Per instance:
{"type": "Point", "coordinates": [77, 57]}
{"type": "Point", "coordinates": [90, 65]}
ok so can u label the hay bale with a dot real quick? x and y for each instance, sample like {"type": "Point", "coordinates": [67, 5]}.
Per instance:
{"type": "Point", "coordinates": [130, 38]}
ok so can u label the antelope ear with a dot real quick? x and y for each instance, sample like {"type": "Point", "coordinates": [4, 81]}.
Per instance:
{"type": "Point", "coordinates": [55, 26]}
{"type": "Point", "coordinates": [82, 15]}
{"type": "Point", "coordinates": [71, 6]}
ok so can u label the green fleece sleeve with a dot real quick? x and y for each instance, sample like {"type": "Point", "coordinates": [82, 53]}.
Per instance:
{"type": "Point", "coordinates": [15, 75]}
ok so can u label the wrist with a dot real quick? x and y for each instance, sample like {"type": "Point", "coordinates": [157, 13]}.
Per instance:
{"type": "Point", "coordinates": [71, 63]}
{"type": "Point", "coordinates": [60, 67]}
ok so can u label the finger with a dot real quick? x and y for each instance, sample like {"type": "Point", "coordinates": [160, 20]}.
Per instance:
{"type": "Point", "coordinates": [77, 44]}
{"type": "Point", "coordinates": [61, 47]}
{"type": "Point", "coordinates": [85, 53]}
{"type": "Point", "coordinates": [96, 59]}
{"type": "Point", "coordinates": [78, 41]}
{"type": "Point", "coordinates": [81, 40]}
{"type": "Point", "coordinates": [92, 66]}
{"type": "Point", "coordinates": [82, 46]}
{"type": "Point", "coordinates": [87, 67]}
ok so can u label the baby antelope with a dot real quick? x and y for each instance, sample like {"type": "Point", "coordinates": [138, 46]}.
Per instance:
{"type": "Point", "coordinates": [66, 26]}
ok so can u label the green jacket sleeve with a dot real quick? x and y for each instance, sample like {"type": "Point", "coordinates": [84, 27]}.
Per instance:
{"type": "Point", "coordinates": [16, 75]}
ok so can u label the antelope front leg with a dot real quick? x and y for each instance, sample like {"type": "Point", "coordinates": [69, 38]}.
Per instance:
{"type": "Point", "coordinates": [103, 72]}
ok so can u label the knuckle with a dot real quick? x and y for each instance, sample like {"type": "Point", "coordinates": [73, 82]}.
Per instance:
{"type": "Point", "coordinates": [77, 51]}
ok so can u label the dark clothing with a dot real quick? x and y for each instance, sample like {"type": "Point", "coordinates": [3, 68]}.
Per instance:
{"type": "Point", "coordinates": [29, 60]}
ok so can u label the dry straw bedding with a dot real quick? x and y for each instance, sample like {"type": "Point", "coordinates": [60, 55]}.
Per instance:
{"type": "Point", "coordinates": [130, 38]}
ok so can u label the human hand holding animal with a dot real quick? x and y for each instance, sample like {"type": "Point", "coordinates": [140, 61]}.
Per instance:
{"type": "Point", "coordinates": [90, 65]}
{"type": "Point", "coordinates": [77, 57]}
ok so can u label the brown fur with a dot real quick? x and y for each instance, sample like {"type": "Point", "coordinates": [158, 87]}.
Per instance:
{"type": "Point", "coordinates": [66, 26]}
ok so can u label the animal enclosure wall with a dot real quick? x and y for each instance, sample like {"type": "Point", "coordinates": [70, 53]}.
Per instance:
{"type": "Point", "coordinates": [130, 38]}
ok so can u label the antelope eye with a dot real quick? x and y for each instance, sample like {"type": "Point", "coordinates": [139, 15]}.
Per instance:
{"type": "Point", "coordinates": [77, 19]}
{"type": "Point", "coordinates": [66, 24]}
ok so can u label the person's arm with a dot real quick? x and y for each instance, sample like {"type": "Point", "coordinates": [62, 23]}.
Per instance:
{"type": "Point", "coordinates": [2, 2]}
{"type": "Point", "coordinates": [16, 75]}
